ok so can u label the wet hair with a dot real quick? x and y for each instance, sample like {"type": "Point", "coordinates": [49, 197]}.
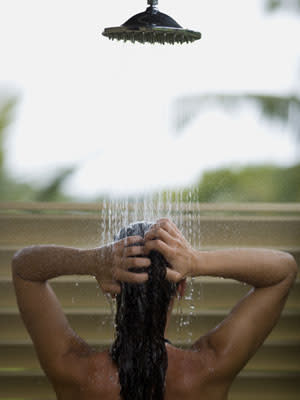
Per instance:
{"type": "Point", "coordinates": [139, 349]}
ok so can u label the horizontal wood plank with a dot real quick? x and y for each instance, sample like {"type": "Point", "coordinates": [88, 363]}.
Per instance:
{"type": "Point", "coordinates": [93, 323]}
{"type": "Point", "coordinates": [199, 294]}
{"type": "Point", "coordinates": [272, 374]}
{"type": "Point", "coordinates": [7, 252]}
{"type": "Point", "coordinates": [85, 231]}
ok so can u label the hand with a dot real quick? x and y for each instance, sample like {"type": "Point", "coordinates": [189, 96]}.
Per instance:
{"type": "Point", "coordinates": [115, 259]}
{"type": "Point", "coordinates": [165, 237]}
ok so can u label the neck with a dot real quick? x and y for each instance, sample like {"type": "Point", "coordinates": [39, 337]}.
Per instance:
{"type": "Point", "coordinates": [169, 316]}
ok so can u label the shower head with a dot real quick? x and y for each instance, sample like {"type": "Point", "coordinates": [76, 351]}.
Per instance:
{"type": "Point", "coordinates": [152, 26]}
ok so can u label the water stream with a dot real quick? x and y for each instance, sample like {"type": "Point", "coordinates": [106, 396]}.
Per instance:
{"type": "Point", "coordinates": [115, 214]}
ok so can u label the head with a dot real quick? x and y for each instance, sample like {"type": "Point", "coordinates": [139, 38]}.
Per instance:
{"type": "Point", "coordinates": [142, 310]}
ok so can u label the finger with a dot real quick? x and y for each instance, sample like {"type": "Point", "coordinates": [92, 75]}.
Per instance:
{"type": "Point", "coordinates": [173, 276]}
{"type": "Point", "coordinates": [137, 262]}
{"type": "Point", "coordinates": [127, 241]}
{"type": "Point", "coordinates": [131, 277]}
{"type": "Point", "coordinates": [160, 246]}
{"type": "Point", "coordinates": [158, 232]}
{"type": "Point", "coordinates": [131, 240]}
{"type": "Point", "coordinates": [112, 288]}
{"type": "Point", "coordinates": [134, 251]}
{"type": "Point", "coordinates": [169, 226]}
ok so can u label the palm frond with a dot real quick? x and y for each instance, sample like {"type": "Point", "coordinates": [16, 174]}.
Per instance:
{"type": "Point", "coordinates": [284, 109]}
{"type": "Point", "coordinates": [290, 5]}
{"type": "Point", "coordinates": [52, 190]}
{"type": "Point", "coordinates": [7, 106]}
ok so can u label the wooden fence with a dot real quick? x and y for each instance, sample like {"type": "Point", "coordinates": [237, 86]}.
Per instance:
{"type": "Point", "coordinates": [273, 373]}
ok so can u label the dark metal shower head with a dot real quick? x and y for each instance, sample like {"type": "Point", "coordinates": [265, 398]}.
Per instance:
{"type": "Point", "coordinates": [152, 26]}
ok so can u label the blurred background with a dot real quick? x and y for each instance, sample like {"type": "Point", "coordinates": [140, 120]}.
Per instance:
{"type": "Point", "coordinates": [95, 134]}
{"type": "Point", "coordinates": [83, 118]}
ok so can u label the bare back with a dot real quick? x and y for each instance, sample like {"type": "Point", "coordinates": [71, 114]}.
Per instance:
{"type": "Point", "coordinates": [77, 372]}
{"type": "Point", "coordinates": [191, 375]}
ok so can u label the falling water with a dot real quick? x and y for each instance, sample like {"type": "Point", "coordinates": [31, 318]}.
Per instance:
{"type": "Point", "coordinates": [115, 214]}
{"type": "Point", "coordinates": [112, 305]}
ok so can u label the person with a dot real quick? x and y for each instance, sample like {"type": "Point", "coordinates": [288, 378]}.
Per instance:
{"type": "Point", "coordinates": [148, 263]}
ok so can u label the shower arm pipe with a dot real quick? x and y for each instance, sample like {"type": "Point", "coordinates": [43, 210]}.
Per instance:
{"type": "Point", "coordinates": [153, 3]}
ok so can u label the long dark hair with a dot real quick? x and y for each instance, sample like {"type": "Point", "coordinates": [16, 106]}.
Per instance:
{"type": "Point", "coordinates": [139, 349]}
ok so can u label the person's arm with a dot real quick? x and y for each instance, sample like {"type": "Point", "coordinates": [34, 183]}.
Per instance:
{"type": "Point", "coordinates": [256, 267]}
{"type": "Point", "coordinates": [55, 341]}
{"type": "Point", "coordinates": [270, 272]}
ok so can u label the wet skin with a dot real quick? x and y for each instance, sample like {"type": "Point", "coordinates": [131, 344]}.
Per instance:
{"type": "Point", "coordinates": [191, 375]}
{"type": "Point", "coordinates": [76, 371]}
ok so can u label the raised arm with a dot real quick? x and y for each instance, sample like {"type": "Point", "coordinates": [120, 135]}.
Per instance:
{"type": "Point", "coordinates": [270, 272]}
{"type": "Point", "coordinates": [55, 342]}
{"type": "Point", "coordinates": [257, 267]}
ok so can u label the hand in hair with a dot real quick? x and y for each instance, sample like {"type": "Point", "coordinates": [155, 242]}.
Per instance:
{"type": "Point", "coordinates": [165, 237]}
{"type": "Point", "coordinates": [115, 259]}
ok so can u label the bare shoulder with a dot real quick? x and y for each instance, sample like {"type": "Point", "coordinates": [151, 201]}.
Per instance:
{"type": "Point", "coordinates": [101, 379]}
{"type": "Point", "coordinates": [210, 362]}
{"type": "Point", "coordinates": [94, 363]}
{"type": "Point", "coordinates": [91, 375]}
{"type": "Point", "coordinates": [74, 365]}
{"type": "Point", "coordinates": [193, 373]}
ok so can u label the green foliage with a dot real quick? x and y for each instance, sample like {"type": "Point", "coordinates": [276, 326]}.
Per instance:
{"type": "Point", "coordinates": [10, 188]}
{"type": "Point", "coordinates": [283, 109]}
{"type": "Point", "coordinates": [7, 106]}
{"type": "Point", "coordinates": [249, 184]}
{"type": "Point", "coordinates": [15, 190]}
{"type": "Point", "coordinates": [291, 5]}
{"type": "Point", "coordinates": [52, 191]}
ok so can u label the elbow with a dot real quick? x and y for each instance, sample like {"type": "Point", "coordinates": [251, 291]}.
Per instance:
{"type": "Point", "coordinates": [292, 266]}
{"type": "Point", "coordinates": [19, 258]}
{"type": "Point", "coordinates": [16, 259]}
